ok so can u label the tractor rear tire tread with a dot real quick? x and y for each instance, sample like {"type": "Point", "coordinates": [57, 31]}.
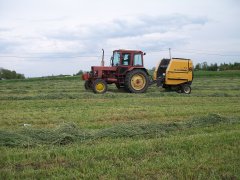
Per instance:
{"type": "Point", "coordinates": [128, 78]}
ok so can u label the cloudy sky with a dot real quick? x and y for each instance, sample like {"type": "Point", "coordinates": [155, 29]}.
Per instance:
{"type": "Point", "coordinates": [45, 37]}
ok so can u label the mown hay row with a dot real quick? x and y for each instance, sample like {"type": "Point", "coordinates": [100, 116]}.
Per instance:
{"type": "Point", "coordinates": [70, 133]}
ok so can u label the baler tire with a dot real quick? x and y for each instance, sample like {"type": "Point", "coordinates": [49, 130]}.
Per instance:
{"type": "Point", "coordinates": [99, 86]}
{"type": "Point", "coordinates": [186, 88]}
{"type": "Point", "coordinates": [140, 77]}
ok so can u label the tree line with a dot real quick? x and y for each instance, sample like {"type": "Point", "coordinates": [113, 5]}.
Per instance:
{"type": "Point", "coordinates": [215, 67]}
{"type": "Point", "coordinates": [8, 74]}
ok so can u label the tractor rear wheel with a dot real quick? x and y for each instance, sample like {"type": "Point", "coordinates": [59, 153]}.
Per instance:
{"type": "Point", "coordinates": [99, 86]}
{"type": "Point", "coordinates": [137, 81]}
{"type": "Point", "coordinates": [87, 85]}
{"type": "Point", "coordinates": [185, 88]}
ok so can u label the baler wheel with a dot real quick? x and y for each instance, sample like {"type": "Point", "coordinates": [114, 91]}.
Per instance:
{"type": "Point", "coordinates": [99, 86]}
{"type": "Point", "coordinates": [137, 81]}
{"type": "Point", "coordinates": [185, 88]}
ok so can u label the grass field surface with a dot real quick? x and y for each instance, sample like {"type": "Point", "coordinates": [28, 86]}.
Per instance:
{"type": "Point", "coordinates": [54, 128]}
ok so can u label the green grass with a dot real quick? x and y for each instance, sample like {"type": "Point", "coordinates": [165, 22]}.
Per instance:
{"type": "Point", "coordinates": [75, 134]}
{"type": "Point", "coordinates": [232, 73]}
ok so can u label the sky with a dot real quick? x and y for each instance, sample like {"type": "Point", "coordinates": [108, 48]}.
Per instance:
{"type": "Point", "coordinates": [52, 37]}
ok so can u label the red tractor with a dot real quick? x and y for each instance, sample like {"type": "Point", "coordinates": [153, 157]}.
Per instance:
{"type": "Point", "coordinates": [126, 71]}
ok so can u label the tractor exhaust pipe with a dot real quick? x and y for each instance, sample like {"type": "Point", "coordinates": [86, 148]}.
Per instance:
{"type": "Point", "coordinates": [170, 54]}
{"type": "Point", "coordinates": [102, 62]}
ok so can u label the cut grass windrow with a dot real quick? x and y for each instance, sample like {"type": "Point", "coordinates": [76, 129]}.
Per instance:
{"type": "Point", "coordinates": [70, 133]}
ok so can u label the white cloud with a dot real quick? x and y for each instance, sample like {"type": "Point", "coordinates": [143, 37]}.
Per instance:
{"type": "Point", "coordinates": [51, 29]}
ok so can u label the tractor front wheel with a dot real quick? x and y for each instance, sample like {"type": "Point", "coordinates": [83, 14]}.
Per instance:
{"type": "Point", "coordinates": [87, 85]}
{"type": "Point", "coordinates": [99, 86]}
{"type": "Point", "coordinates": [137, 81]}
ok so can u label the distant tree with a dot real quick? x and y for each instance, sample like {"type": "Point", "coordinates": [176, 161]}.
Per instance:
{"type": "Point", "coordinates": [212, 67]}
{"type": "Point", "coordinates": [20, 76]}
{"type": "Point", "coordinates": [204, 66]}
{"type": "Point", "coordinates": [230, 66]}
{"type": "Point", "coordinates": [236, 66]}
{"type": "Point", "coordinates": [223, 67]}
{"type": "Point", "coordinates": [215, 67]}
{"type": "Point", "coordinates": [7, 74]}
{"type": "Point", "coordinates": [198, 66]}
{"type": "Point", "coordinates": [79, 72]}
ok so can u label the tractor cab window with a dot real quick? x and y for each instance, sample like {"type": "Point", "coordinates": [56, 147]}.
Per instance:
{"type": "Point", "coordinates": [137, 60]}
{"type": "Point", "coordinates": [126, 59]}
{"type": "Point", "coordinates": [116, 59]}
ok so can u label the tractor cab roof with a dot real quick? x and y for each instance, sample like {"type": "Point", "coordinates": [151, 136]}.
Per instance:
{"type": "Point", "coordinates": [129, 51]}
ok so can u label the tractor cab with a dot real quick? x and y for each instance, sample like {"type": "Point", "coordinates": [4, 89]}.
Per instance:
{"type": "Point", "coordinates": [127, 58]}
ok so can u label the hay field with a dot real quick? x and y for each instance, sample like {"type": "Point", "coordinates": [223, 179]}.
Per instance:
{"type": "Point", "coordinates": [53, 128]}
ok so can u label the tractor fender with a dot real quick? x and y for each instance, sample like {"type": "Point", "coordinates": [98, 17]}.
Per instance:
{"type": "Point", "coordinates": [142, 68]}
